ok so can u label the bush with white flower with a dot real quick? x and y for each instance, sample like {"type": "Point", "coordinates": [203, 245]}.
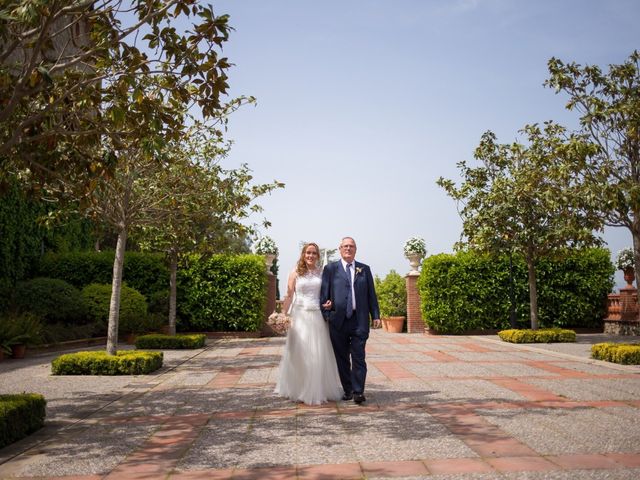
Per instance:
{"type": "Point", "coordinates": [265, 246]}
{"type": "Point", "coordinates": [415, 246]}
{"type": "Point", "coordinates": [625, 259]}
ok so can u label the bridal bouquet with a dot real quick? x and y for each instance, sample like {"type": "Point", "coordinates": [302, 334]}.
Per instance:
{"type": "Point", "coordinates": [279, 323]}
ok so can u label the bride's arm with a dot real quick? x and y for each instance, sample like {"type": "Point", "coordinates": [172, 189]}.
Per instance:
{"type": "Point", "coordinates": [291, 288]}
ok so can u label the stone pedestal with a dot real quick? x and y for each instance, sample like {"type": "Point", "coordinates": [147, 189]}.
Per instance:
{"type": "Point", "coordinates": [414, 315]}
{"type": "Point", "coordinates": [622, 313]}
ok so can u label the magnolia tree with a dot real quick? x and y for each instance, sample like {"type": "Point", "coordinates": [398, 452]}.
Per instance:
{"type": "Point", "coordinates": [527, 198]}
{"type": "Point", "coordinates": [202, 207]}
{"type": "Point", "coordinates": [609, 104]}
{"type": "Point", "coordinates": [74, 74]}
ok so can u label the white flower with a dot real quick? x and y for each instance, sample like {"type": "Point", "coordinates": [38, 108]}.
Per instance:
{"type": "Point", "coordinates": [265, 246]}
{"type": "Point", "coordinates": [415, 246]}
{"type": "Point", "coordinates": [625, 259]}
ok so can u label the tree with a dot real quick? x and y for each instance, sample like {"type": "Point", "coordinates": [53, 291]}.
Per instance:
{"type": "Point", "coordinates": [609, 104]}
{"type": "Point", "coordinates": [527, 198]}
{"type": "Point", "coordinates": [72, 72]}
{"type": "Point", "coordinates": [202, 205]}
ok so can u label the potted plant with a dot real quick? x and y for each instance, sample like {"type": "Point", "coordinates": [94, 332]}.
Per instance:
{"type": "Point", "coordinates": [626, 263]}
{"type": "Point", "coordinates": [267, 247]}
{"type": "Point", "coordinates": [392, 299]}
{"type": "Point", "coordinates": [20, 330]}
{"type": "Point", "coordinates": [415, 249]}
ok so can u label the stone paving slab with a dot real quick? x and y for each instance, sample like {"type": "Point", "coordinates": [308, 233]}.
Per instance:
{"type": "Point", "coordinates": [439, 407]}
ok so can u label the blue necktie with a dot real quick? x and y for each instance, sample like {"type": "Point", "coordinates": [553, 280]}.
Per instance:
{"type": "Point", "coordinates": [349, 297]}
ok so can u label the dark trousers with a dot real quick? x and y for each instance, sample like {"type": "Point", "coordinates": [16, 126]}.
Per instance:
{"type": "Point", "coordinates": [348, 346]}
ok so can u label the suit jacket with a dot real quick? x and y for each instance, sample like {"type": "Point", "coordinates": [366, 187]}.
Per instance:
{"type": "Point", "coordinates": [335, 285]}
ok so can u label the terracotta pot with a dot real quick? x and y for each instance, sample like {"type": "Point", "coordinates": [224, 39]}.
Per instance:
{"type": "Point", "coordinates": [19, 350]}
{"type": "Point", "coordinates": [629, 276]}
{"type": "Point", "coordinates": [395, 324]}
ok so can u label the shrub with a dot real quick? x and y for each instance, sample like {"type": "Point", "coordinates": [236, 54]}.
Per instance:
{"type": "Point", "coordinates": [133, 307]}
{"type": "Point", "coordinates": [222, 292]}
{"type": "Point", "coordinates": [101, 363]}
{"type": "Point", "coordinates": [392, 295]}
{"type": "Point", "coordinates": [20, 328]}
{"type": "Point", "coordinates": [20, 415]}
{"type": "Point", "coordinates": [624, 353]}
{"type": "Point", "coordinates": [170, 342]}
{"type": "Point", "coordinates": [470, 291]}
{"type": "Point", "coordinates": [51, 299]}
{"type": "Point", "coordinates": [545, 335]}
{"type": "Point", "coordinates": [146, 272]}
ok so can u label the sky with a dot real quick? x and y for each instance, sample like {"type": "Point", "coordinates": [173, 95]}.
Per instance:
{"type": "Point", "coordinates": [363, 105]}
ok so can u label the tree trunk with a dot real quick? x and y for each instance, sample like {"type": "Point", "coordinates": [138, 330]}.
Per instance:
{"type": "Point", "coordinates": [173, 273]}
{"type": "Point", "coordinates": [533, 293]}
{"type": "Point", "coordinates": [116, 286]}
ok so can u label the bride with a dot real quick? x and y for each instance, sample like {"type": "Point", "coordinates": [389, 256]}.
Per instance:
{"type": "Point", "coordinates": [308, 371]}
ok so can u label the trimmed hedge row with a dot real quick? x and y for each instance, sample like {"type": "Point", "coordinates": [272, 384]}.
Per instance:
{"type": "Point", "coordinates": [146, 272]}
{"type": "Point", "coordinates": [471, 291]}
{"type": "Point", "coordinates": [101, 363]}
{"type": "Point", "coordinates": [222, 293]}
{"type": "Point", "coordinates": [20, 415]}
{"type": "Point", "coordinates": [217, 293]}
{"type": "Point", "coordinates": [171, 342]}
{"type": "Point", "coordinates": [546, 335]}
{"type": "Point", "coordinates": [624, 353]}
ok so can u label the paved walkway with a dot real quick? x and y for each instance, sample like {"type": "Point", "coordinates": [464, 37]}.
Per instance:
{"type": "Point", "coordinates": [439, 407]}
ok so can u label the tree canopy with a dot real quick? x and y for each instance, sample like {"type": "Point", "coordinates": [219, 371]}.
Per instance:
{"type": "Point", "coordinates": [527, 199]}
{"type": "Point", "coordinates": [74, 72]}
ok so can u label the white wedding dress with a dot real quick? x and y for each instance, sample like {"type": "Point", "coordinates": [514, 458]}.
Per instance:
{"type": "Point", "coordinates": [308, 371]}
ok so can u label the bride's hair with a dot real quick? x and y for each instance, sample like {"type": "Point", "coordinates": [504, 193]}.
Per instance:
{"type": "Point", "coordinates": [301, 267]}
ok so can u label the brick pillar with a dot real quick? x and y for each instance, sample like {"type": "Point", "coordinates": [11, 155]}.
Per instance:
{"type": "Point", "coordinates": [628, 303]}
{"type": "Point", "coordinates": [270, 305]}
{"type": "Point", "coordinates": [414, 315]}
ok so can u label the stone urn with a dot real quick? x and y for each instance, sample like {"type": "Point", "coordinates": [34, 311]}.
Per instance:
{"type": "Point", "coordinates": [629, 276]}
{"type": "Point", "coordinates": [414, 262]}
{"type": "Point", "coordinates": [268, 261]}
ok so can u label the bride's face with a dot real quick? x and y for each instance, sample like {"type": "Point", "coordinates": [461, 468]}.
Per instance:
{"type": "Point", "coordinates": [311, 256]}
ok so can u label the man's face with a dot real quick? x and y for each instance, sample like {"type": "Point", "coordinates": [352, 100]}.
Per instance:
{"type": "Point", "coordinates": [348, 249]}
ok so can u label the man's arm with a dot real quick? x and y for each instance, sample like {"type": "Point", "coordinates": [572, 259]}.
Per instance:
{"type": "Point", "coordinates": [325, 290]}
{"type": "Point", "coordinates": [374, 309]}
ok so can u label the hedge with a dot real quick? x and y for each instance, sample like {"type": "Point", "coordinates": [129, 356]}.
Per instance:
{"type": "Point", "coordinates": [624, 353]}
{"type": "Point", "coordinates": [125, 362]}
{"type": "Point", "coordinates": [20, 415]}
{"type": "Point", "coordinates": [24, 238]}
{"type": "Point", "coordinates": [545, 335]}
{"type": "Point", "coordinates": [222, 293]}
{"type": "Point", "coordinates": [51, 299]}
{"type": "Point", "coordinates": [170, 342]}
{"type": "Point", "coordinates": [146, 272]}
{"type": "Point", "coordinates": [470, 291]}
{"type": "Point", "coordinates": [133, 307]}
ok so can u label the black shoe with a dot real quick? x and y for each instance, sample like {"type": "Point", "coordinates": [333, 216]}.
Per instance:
{"type": "Point", "coordinates": [347, 396]}
{"type": "Point", "coordinates": [359, 398]}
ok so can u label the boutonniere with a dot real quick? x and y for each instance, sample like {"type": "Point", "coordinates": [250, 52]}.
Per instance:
{"type": "Point", "coordinates": [358, 270]}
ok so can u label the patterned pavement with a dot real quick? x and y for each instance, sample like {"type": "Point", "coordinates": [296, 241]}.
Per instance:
{"type": "Point", "coordinates": [439, 407]}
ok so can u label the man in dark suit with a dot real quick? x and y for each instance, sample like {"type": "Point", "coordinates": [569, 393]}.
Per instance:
{"type": "Point", "coordinates": [349, 286]}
